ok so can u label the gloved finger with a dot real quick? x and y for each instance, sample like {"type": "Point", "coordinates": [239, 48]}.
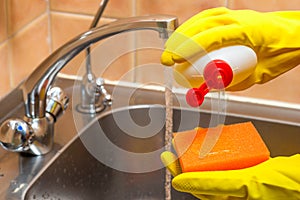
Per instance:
{"type": "Point", "coordinates": [202, 21]}
{"type": "Point", "coordinates": [206, 24]}
{"type": "Point", "coordinates": [181, 37]}
{"type": "Point", "coordinates": [193, 22]}
{"type": "Point", "coordinates": [209, 40]}
{"type": "Point", "coordinates": [167, 58]}
{"type": "Point", "coordinates": [171, 44]}
{"type": "Point", "coordinates": [171, 162]}
{"type": "Point", "coordinates": [220, 183]}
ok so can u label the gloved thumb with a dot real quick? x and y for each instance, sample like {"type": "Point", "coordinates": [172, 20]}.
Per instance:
{"type": "Point", "coordinates": [212, 183]}
{"type": "Point", "coordinates": [171, 162]}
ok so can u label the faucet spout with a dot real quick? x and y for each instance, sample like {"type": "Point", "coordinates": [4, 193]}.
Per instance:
{"type": "Point", "coordinates": [36, 86]}
{"type": "Point", "coordinates": [44, 103]}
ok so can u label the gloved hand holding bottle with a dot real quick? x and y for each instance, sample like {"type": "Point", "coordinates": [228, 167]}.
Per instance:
{"type": "Point", "coordinates": [274, 37]}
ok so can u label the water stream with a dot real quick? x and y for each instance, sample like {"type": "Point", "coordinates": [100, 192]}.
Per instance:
{"type": "Point", "coordinates": [218, 109]}
{"type": "Point", "coordinates": [168, 74]}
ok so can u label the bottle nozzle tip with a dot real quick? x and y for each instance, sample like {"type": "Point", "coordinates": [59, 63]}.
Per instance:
{"type": "Point", "coordinates": [194, 97]}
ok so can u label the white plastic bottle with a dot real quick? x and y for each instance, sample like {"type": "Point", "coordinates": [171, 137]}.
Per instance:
{"type": "Point", "coordinates": [220, 69]}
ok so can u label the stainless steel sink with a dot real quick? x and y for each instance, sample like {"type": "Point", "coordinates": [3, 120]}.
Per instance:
{"type": "Point", "coordinates": [78, 174]}
{"type": "Point", "coordinates": [86, 162]}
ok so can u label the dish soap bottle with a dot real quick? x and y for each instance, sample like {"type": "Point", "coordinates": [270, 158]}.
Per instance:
{"type": "Point", "coordinates": [220, 69]}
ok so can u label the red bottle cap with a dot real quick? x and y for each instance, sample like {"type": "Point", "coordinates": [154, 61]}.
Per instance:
{"type": "Point", "coordinates": [217, 74]}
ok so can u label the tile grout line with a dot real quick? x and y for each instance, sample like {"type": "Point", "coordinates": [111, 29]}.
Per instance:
{"type": "Point", "coordinates": [134, 74]}
{"type": "Point", "coordinates": [36, 19]}
{"type": "Point", "coordinates": [226, 3]}
{"type": "Point", "coordinates": [49, 38]}
{"type": "Point", "coordinates": [9, 51]}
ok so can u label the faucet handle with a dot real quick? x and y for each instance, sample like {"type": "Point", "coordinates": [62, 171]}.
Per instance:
{"type": "Point", "coordinates": [101, 91]}
{"type": "Point", "coordinates": [57, 102]}
{"type": "Point", "coordinates": [15, 135]}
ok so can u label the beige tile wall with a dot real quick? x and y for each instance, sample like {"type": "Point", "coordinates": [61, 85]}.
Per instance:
{"type": "Point", "coordinates": [28, 47]}
{"type": "Point", "coordinates": [3, 21]}
{"type": "Point", "coordinates": [23, 30]}
{"type": "Point", "coordinates": [32, 29]}
{"type": "Point", "coordinates": [21, 13]}
{"type": "Point", "coordinates": [5, 85]}
{"type": "Point", "coordinates": [183, 9]}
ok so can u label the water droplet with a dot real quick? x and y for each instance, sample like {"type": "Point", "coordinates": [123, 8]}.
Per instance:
{"type": "Point", "coordinates": [45, 195]}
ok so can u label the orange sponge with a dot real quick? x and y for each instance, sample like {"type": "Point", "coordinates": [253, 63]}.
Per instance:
{"type": "Point", "coordinates": [239, 146]}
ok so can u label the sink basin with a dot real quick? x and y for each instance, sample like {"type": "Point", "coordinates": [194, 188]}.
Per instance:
{"type": "Point", "coordinates": [116, 154]}
{"type": "Point", "coordinates": [87, 169]}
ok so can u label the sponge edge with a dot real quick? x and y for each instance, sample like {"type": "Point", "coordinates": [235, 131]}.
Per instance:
{"type": "Point", "coordinates": [239, 146]}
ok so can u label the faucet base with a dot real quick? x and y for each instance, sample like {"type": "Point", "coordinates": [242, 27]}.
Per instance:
{"type": "Point", "coordinates": [90, 109]}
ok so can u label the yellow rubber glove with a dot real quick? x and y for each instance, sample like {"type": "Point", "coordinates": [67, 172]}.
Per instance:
{"type": "Point", "coordinates": [274, 36]}
{"type": "Point", "coordinates": [275, 179]}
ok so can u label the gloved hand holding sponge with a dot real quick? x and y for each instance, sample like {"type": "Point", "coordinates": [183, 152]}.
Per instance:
{"type": "Point", "coordinates": [238, 167]}
{"type": "Point", "coordinates": [277, 178]}
{"type": "Point", "coordinates": [274, 37]}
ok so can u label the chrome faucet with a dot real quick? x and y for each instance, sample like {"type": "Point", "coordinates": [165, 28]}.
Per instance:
{"type": "Point", "coordinates": [94, 97]}
{"type": "Point", "coordinates": [34, 133]}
